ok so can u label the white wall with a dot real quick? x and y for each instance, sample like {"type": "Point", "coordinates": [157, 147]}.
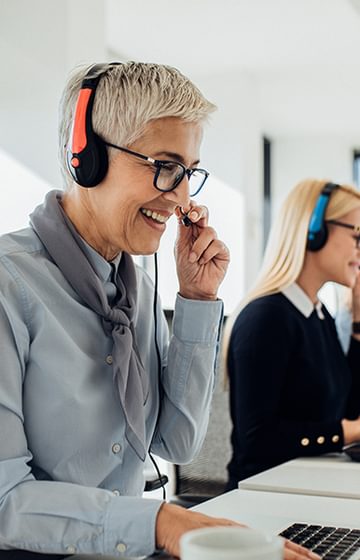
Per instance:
{"type": "Point", "coordinates": [39, 42]}
{"type": "Point", "coordinates": [22, 190]}
{"type": "Point", "coordinates": [299, 157]}
{"type": "Point", "coordinates": [233, 152]}
{"type": "Point", "coordinates": [322, 157]}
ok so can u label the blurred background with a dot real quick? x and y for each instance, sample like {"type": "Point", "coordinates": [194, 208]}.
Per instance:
{"type": "Point", "coordinates": [285, 76]}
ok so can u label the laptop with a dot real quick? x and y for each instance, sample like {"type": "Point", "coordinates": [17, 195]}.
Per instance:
{"type": "Point", "coordinates": [278, 512]}
{"type": "Point", "coordinates": [331, 543]}
{"type": "Point", "coordinates": [319, 477]}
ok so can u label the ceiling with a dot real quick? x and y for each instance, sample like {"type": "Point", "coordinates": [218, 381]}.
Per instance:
{"type": "Point", "coordinates": [303, 55]}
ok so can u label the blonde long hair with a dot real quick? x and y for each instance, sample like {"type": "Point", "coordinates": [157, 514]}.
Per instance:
{"type": "Point", "coordinates": [286, 247]}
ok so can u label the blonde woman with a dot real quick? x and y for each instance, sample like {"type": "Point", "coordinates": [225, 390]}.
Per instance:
{"type": "Point", "coordinates": [293, 390]}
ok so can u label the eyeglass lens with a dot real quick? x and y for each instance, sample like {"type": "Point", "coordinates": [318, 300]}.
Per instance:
{"type": "Point", "coordinates": [169, 175]}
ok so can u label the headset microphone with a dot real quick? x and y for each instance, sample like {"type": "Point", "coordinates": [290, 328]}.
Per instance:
{"type": "Point", "coordinates": [185, 220]}
{"type": "Point", "coordinates": [318, 232]}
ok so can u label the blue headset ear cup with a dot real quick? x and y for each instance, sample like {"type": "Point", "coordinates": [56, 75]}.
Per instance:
{"type": "Point", "coordinates": [92, 162]}
{"type": "Point", "coordinates": [316, 241]}
{"type": "Point", "coordinates": [318, 231]}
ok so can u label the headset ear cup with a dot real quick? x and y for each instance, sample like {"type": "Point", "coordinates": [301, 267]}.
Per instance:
{"type": "Point", "coordinates": [318, 231]}
{"type": "Point", "coordinates": [89, 167]}
{"type": "Point", "coordinates": [87, 159]}
{"type": "Point", "coordinates": [99, 158]}
{"type": "Point", "coordinates": [103, 159]}
{"type": "Point", "coordinates": [317, 241]}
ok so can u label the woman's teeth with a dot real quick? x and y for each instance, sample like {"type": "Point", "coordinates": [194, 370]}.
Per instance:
{"type": "Point", "coordinates": [154, 215]}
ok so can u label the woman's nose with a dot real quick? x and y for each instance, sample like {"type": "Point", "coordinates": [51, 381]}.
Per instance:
{"type": "Point", "coordinates": [181, 194]}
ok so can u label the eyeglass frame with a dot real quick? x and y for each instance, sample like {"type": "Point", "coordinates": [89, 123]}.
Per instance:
{"type": "Point", "coordinates": [356, 230]}
{"type": "Point", "coordinates": [159, 164]}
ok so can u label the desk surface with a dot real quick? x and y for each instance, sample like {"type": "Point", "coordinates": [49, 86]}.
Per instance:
{"type": "Point", "coordinates": [274, 511]}
{"type": "Point", "coordinates": [318, 490]}
{"type": "Point", "coordinates": [270, 511]}
{"type": "Point", "coordinates": [330, 475]}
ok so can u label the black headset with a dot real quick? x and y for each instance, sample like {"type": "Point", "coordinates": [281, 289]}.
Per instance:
{"type": "Point", "coordinates": [318, 232]}
{"type": "Point", "coordinates": [86, 156]}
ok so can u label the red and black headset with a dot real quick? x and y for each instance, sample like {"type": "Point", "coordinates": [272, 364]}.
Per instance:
{"type": "Point", "coordinates": [87, 157]}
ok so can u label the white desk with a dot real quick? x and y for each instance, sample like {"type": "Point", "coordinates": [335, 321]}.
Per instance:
{"type": "Point", "coordinates": [274, 511]}
{"type": "Point", "coordinates": [329, 475]}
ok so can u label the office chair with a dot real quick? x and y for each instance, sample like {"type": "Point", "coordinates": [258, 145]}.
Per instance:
{"type": "Point", "coordinates": [206, 476]}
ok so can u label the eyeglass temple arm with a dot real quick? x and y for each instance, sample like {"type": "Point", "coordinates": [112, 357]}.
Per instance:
{"type": "Point", "coordinates": [342, 224]}
{"type": "Point", "coordinates": [146, 158]}
{"type": "Point", "coordinates": [356, 229]}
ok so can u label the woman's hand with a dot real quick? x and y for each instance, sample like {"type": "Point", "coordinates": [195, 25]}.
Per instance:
{"type": "Point", "coordinates": [356, 300]}
{"type": "Point", "coordinates": [294, 551]}
{"type": "Point", "coordinates": [174, 521]}
{"type": "Point", "coordinates": [201, 258]}
{"type": "Point", "coordinates": [351, 430]}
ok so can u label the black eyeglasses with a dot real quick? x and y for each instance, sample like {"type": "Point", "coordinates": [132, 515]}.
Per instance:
{"type": "Point", "coordinates": [169, 174]}
{"type": "Point", "coordinates": [356, 230]}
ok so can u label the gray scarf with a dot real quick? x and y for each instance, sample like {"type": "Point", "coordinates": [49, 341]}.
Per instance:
{"type": "Point", "coordinates": [61, 240]}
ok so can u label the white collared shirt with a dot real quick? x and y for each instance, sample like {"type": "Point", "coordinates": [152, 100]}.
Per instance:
{"type": "Point", "coordinates": [301, 301]}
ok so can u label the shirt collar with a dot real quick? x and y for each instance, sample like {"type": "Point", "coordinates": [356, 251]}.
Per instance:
{"type": "Point", "coordinates": [101, 266]}
{"type": "Point", "coordinates": [301, 301]}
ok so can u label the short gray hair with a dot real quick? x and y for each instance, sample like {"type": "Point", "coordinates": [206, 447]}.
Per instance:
{"type": "Point", "coordinates": [128, 96]}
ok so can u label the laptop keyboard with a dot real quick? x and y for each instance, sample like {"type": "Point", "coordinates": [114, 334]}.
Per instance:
{"type": "Point", "coordinates": [331, 543]}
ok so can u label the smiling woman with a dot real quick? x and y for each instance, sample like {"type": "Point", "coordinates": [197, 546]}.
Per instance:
{"type": "Point", "coordinates": [89, 383]}
{"type": "Point", "coordinates": [123, 209]}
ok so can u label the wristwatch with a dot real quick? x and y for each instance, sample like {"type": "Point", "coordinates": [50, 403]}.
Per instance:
{"type": "Point", "coordinates": [356, 327]}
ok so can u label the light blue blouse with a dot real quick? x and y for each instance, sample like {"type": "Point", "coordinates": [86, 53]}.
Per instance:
{"type": "Point", "coordinates": [69, 481]}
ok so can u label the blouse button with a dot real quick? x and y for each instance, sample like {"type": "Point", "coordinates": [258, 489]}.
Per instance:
{"type": "Point", "coordinates": [320, 440]}
{"type": "Point", "coordinates": [305, 441]}
{"type": "Point", "coordinates": [121, 547]}
{"type": "Point", "coordinates": [109, 359]}
{"type": "Point", "coordinates": [116, 492]}
{"type": "Point", "coordinates": [71, 549]}
{"type": "Point", "coordinates": [116, 448]}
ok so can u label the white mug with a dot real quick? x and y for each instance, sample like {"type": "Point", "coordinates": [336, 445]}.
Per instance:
{"type": "Point", "coordinates": [230, 543]}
